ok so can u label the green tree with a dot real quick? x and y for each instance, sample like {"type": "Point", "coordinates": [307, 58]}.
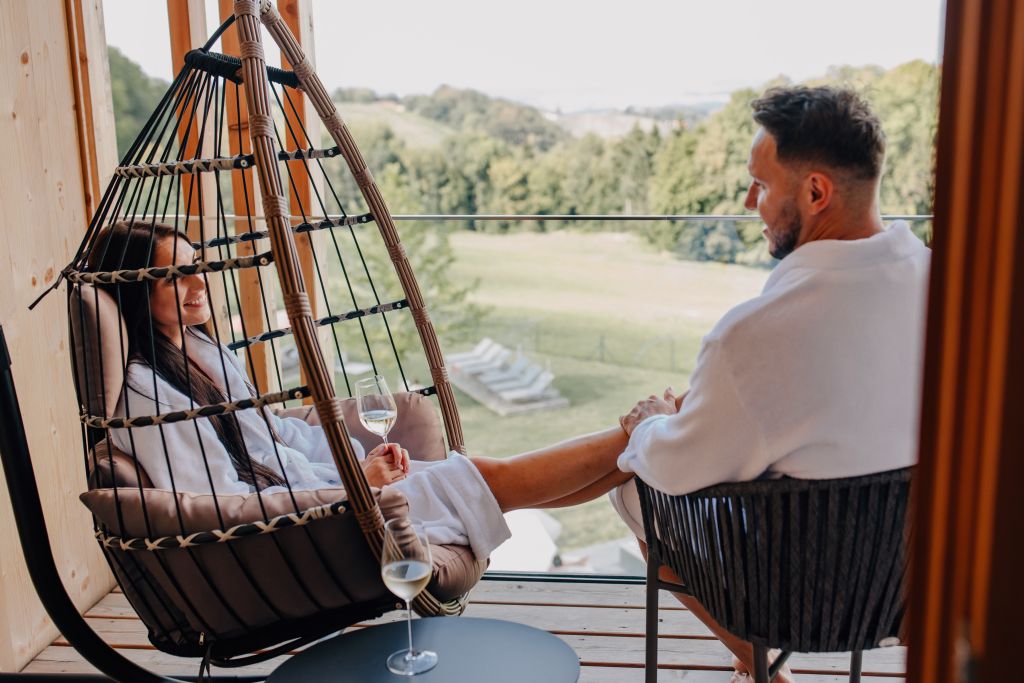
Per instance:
{"type": "Point", "coordinates": [135, 97]}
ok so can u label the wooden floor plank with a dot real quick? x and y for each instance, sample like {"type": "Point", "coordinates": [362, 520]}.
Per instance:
{"type": "Point", "coordinates": [604, 624]}
{"type": "Point", "coordinates": [582, 594]}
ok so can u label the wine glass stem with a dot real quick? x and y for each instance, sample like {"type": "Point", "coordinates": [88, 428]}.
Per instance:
{"type": "Point", "coordinates": [385, 437]}
{"type": "Point", "coordinates": [408, 609]}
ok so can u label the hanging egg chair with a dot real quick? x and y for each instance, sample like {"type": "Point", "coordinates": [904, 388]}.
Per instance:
{"type": "Point", "coordinates": [241, 576]}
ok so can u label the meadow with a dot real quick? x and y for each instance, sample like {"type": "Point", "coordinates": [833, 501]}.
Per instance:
{"type": "Point", "coordinates": [615, 319]}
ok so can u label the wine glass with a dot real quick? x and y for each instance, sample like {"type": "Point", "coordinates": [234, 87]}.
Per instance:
{"type": "Point", "coordinates": [406, 568]}
{"type": "Point", "coordinates": [377, 409]}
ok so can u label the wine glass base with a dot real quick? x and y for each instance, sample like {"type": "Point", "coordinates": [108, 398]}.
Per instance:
{"type": "Point", "coordinates": [410, 663]}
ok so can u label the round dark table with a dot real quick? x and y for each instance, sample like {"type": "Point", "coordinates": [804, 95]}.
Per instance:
{"type": "Point", "coordinates": [468, 650]}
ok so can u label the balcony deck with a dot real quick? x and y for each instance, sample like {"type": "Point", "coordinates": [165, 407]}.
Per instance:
{"type": "Point", "coordinates": [604, 623]}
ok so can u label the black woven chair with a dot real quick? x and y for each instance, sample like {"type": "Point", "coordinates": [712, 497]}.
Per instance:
{"type": "Point", "coordinates": [795, 564]}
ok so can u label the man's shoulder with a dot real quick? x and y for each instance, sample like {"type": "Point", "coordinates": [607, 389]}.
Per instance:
{"type": "Point", "coordinates": [738, 320]}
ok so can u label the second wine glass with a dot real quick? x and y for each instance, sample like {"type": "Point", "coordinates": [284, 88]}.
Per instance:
{"type": "Point", "coordinates": [406, 569]}
{"type": "Point", "coordinates": [377, 409]}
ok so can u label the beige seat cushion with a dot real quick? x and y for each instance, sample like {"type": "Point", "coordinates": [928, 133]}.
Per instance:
{"type": "Point", "coordinates": [418, 428]}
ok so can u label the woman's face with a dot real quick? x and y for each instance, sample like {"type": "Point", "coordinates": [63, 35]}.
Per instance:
{"type": "Point", "coordinates": [179, 302]}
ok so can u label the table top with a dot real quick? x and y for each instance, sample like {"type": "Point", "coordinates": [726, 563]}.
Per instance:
{"type": "Point", "coordinates": [468, 649]}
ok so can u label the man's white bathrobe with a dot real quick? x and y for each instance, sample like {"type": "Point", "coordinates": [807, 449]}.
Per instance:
{"type": "Point", "coordinates": [449, 497]}
{"type": "Point", "coordinates": [818, 377]}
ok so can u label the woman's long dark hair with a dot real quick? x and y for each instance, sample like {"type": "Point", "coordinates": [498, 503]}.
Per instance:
{"type": "Point", "coordinates": [127, 245]}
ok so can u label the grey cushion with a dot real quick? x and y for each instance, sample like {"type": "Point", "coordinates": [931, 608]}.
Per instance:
{"type": "Point", "coordinates": [99, 344]}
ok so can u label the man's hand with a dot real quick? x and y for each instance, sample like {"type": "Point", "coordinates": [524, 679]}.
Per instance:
{"type": "Point", "coordinates": [668, 404]}
{"type": "Point", "coordinates": [386, 464]}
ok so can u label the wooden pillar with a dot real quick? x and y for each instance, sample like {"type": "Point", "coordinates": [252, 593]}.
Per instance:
{"type": "Point", "coordinates": [60, 148]}
{"type": "Point", "coordinates": [247, 201]}
{"type": "Point", "coordinates": [964, 586]}
{"type": "Point", "coordinates": [186, 20]}
{"type": "Point", "coordinates": [298, 15]}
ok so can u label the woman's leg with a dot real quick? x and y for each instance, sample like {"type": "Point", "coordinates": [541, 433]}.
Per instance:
{"type": "Point", "coordinates": [591, 491]}
{"type": "Point", "coordinates": [545, 475]}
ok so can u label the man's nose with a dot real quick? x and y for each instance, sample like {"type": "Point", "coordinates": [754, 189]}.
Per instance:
{"type": "Point", "coordinates": [750, 203]}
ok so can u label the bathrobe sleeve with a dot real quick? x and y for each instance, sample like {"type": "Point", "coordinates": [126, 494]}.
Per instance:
{"type": "Point", "coordinates": [712, 439]}
{"type": "Point", "coordinates": [173, 454]}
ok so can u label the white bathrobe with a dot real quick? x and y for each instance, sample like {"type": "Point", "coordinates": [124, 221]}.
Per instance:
{"type": "Point", "coordinates": [449, 498]}
{"type": "Point", "coordinates": [818, 377]}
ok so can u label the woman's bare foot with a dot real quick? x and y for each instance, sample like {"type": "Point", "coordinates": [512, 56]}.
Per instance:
{"type": "Point", "coordinates": [742, 673]}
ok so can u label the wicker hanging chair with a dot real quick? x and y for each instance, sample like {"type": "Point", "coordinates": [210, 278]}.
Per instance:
{"type": "Point", "coordinates": [240, 578]}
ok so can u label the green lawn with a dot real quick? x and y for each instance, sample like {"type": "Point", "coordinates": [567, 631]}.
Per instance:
{"type": "Point", "coordinates": [615, 319]}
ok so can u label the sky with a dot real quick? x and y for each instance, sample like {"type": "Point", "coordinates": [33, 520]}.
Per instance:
{"type": "Point", "coordinates": [575, 55]}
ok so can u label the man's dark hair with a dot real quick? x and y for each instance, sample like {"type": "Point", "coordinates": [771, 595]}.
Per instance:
{"type": "Point", "coordinates": [833, 126]}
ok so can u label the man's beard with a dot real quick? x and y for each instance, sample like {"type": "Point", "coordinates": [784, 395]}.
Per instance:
{"type": "Point", "coordinates": [786, 233]}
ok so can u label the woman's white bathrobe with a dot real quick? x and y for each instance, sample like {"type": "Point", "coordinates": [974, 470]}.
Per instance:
{"type": "Point", "coordinates": [449, 497]}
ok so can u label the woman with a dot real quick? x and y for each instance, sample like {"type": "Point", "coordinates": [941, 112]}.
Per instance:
{"type": "Point", "coordinates": [176, 364]}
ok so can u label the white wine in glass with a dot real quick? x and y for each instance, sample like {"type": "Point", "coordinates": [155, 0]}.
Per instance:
{"type": "Point", "coordinates": [377, 409]}
{"type": "Point", "coordinates": [406, 568]}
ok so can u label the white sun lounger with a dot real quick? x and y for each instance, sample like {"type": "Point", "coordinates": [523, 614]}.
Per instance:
{"type": "Point", "coordinates": [525, 379]}
{"type": "Point", "coordinates": [478, 351]}
{"type": "Point", "coordinates": [489, 356]}
{"type": "Point", "coordinates": [505, 374]}
{"type": "Point", "coordinates": [535, 390]}
{"type": "Point", "coordinates": [486, 365]}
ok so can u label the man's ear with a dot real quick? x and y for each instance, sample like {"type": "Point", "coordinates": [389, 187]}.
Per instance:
{"type": "Point", "coordinates": [819, 190]}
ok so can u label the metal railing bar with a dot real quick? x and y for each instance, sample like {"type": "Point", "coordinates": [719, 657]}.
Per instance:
{"type": "Point", "coordinates": [556, 217]}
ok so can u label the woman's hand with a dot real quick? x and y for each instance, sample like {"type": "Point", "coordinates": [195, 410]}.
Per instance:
{"type": "Point", "coordinates": [386, 464]}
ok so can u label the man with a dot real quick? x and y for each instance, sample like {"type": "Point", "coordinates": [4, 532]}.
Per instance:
{"type": "Point", "coordinates": [820, 375]}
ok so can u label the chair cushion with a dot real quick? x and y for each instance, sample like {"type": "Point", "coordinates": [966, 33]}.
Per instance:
{"type": "Point", "coordinates": [418, 428]}
{"type": "Point", "coordinates": [99, 345]}
{"type": "Point", "coordinates": [227, 589]}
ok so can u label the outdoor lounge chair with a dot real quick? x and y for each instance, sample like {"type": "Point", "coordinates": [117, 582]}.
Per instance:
{"type": "Point", "coordinates": [476, 353]}
{"type": "Point", "coordinates": [795, 564]}
{"type": "Point", "coordinates": [533, 391]}
{"type": "Point", "coordinates": [507, 373]}
{"type": "Point", "coordinates": [495, 361]}
{"type": "Point", "coordinates": [494, 353]}
{"type": "Point", "coordinates": [529, 375]}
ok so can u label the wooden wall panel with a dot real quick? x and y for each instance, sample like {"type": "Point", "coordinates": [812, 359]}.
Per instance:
{"type": "Point", "coordinates": [46, 184]}
{"type": "Point", "coordinates": [969, 512]}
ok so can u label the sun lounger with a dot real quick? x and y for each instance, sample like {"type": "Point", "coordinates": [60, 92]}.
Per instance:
{"type": "Point", "coordinates": [507, 373]}
{"type": "Point", "coordinates": [533, 391]}
{"type": "Point", "coordinates": [495, 363]}
{"type": "Point", "coordinates": [478, 351]}
{"type": "Point", "coordinates": [529, 375]}
{"type": "Point", "coordinates": [490, 355]}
